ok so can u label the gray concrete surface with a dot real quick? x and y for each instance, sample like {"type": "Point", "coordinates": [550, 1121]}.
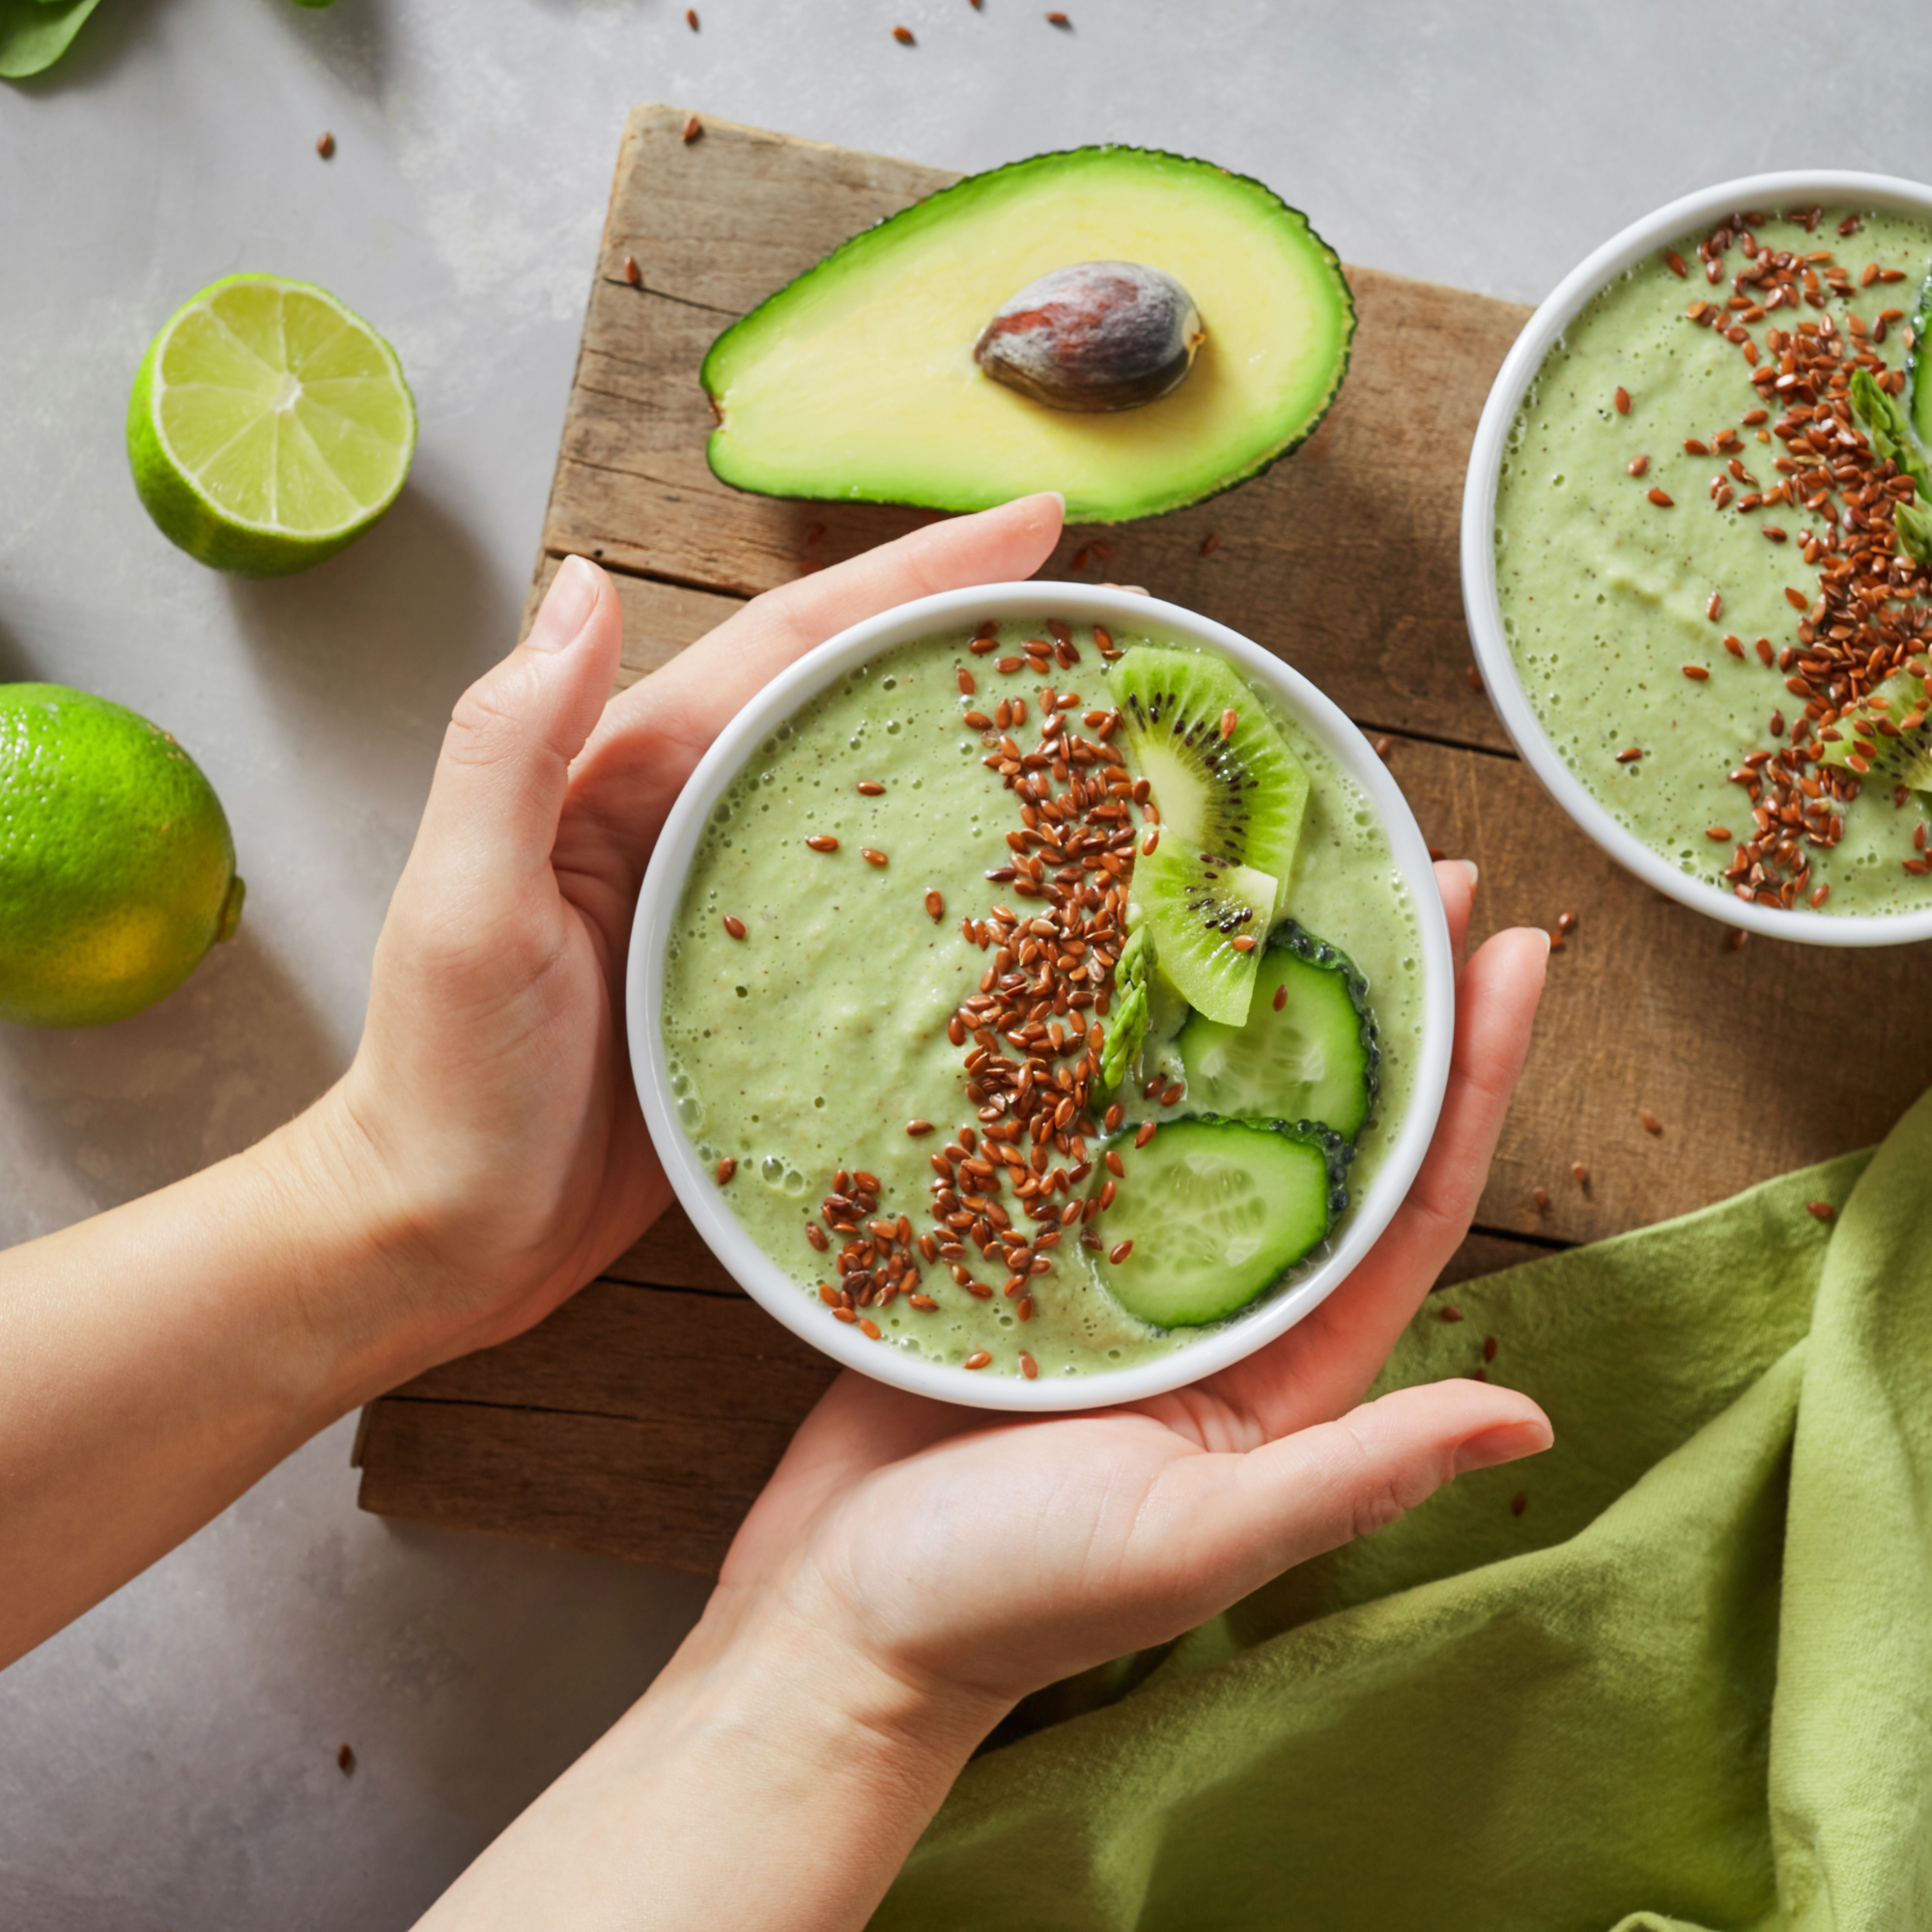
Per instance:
{"type": "Point", "coordinates": [169, 1761]}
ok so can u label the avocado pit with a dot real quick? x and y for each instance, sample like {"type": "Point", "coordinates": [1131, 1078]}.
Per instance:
{"type": "Point", "coordinates": [1094, 336]}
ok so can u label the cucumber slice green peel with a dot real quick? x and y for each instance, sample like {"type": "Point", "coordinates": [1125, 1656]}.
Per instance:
{"type": "Point", "coordinates": [1309, 1052]}
{"type": "Point", "coordinates": [1217, 1212]}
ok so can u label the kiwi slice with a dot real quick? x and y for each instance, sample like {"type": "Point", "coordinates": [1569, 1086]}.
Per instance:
{"type": "Point", "coordinates": [1198, 905]}
{"type": "Point", "coordinates": [1886, 737]}
{"type": "Point", "coordinates": [1228, 787]}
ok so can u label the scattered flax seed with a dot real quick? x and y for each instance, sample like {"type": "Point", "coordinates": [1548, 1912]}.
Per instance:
{"type": "Point", "coordinates": [1738, 938]}
{"type": "Point", "coordinates": [1629, 754]}
{"type": "Point", "coordinates": [1449, 1312]}
{"type": "Point", "coordinates": [1519, 1503]}
{"type": "Point", "coordinates": [734, 926]}
{"type": "Point", "coordinates": [325, 148]}
{"type": "Point", "coordinates": [822, 841]}
{"type": "Point", "coordinates": [1579, 1174]}
{"type": "Point", "coordinates": [918, 1129]}
{"type": "Point", "coordinates": [872, 787]}
{"type": "Point", "coordinates": [1144, 1132]}
{"type": "Point", "coordinates": [1638, 465]}
{"type": "Point", "coordinates": [1567, 921]}
{"type": "Point", "coordinates": [818, 1237]}
{"type": "Point", "coordinates": [979, 1357]}
{"type": "Point", "coordinates": [1118, 1252]}
{"type": "Point", "coordinates": [1280, 998]}
{"type": "Point", "coordinates": [1210, 543]}
{"type": "Point", "coordinates": [1662, 499]}
{"type": "Point", "coordinates": [1649, 1122]}
{"type": "Point", "coordinates": [868, 1328]}
{"type": "Point", "coordinates": [727, 1168]}
{"type": "Point", "coordinates": [633, 275]}
{"type": "Point", "coordinates": [1696, 673]}
{"type": "Point", "coordinates": [1721, 833]}
{"type": "Point", "coordinates": [1823, 1209]}
{"type": "Point", "coordinates": [1171, 1096]}
{"type": "Point", "coordinates": [1246, 943]}
{"type": "Point", "coordinates": [345, 1761]}
{"type": "Point", "coordinates": [935, 906]}
{"type": "Point", "coordinates": [691, 18]}
{"type": "Point", "coordinates": [1674, 262]}
{"type": "Point", "coordinates": [1230, 720]}
{"type": "Point", "coordinates": [903, 36]}
{"type": "Point", "coordinates": [1714, 609]}
{"type": "Point", "coordinates": [1149, 843]}
{"type": "Point", "coordinates": [1381, 747]}
{"type": "Point", "coordinates": [966, 682]}
{"type": "Point", "coordinates": [1488, 1348]}
{"type": "Point", "coordinates": [1540, 1197]}
{"type": "Point", "coordinates": [1058, 21]}
{"type": "Point", "coordinates": [870, 856]}
{"type": "Point", "coordinates": [1474, 677]}
{"type": "Point", "coordinates": [1029, 1367]}
{"type": "Point", "coordinates": [693, 129]}
{"type": "Point", "coordinates": [1622, 401]}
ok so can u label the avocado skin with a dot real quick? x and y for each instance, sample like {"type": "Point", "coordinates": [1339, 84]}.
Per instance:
{"type": "Point", "coordinates": [931, 207]}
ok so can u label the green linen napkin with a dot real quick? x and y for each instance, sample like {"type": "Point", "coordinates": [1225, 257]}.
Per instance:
{"type": "Point", "coordinates": [1689, 1686]}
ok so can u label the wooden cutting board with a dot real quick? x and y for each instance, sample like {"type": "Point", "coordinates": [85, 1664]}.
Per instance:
{"type": "Point", "coordinates": [642, 1418]}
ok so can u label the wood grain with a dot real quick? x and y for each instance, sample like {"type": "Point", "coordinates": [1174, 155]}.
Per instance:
{"type": "Point", "coordinates": [611, 1427]}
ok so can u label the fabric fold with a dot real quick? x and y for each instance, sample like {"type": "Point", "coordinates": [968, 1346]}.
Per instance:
{"type": "Point", "coordinates": [1685, 1687]}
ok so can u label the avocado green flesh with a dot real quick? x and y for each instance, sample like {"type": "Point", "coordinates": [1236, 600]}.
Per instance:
{"type": "Point", "coordinates": [857, 382]}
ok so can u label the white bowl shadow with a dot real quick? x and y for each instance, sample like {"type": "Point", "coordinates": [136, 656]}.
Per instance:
{"type": "Point", "coordinates": [1484, 612]}
{"type": "Point", "coordinates": [693, 1181]}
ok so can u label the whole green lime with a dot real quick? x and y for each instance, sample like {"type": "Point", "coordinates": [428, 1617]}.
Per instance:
{"type": "Point", "coordinates": [117, 868]}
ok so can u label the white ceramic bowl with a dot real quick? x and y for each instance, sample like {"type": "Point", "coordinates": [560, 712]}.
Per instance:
{"type": "Point", "coordinates": [1694, 212]}
{"type": "Point", "coordinates": [663, 883]}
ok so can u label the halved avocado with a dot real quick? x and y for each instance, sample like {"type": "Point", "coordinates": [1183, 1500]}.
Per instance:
{"type": "Point", "coordinates": [857, 382]}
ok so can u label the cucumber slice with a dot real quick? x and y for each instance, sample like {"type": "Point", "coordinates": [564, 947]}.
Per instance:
{"type": "Point", "coordinates": [1308, 1051]}
{"type": "Point", "coordinates": [1218, 1211]}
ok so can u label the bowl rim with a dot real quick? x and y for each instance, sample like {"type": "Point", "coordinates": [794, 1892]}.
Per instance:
{"type": "Point", "coordinates": [1482, 607]}
{"type": "Point", "coordinates": [693, 1184]}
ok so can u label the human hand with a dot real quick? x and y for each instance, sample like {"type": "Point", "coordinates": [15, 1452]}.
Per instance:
{"type": "Point", "coordinates": [968, 1560]}
{"type": "Point", "coordinates": [488, 1129]}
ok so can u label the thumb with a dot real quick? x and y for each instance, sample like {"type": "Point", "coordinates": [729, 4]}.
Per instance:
{"type": "Point", "coordinates": [501, 781]}
{"type": "Point", "coordinates": [1253, 1516]}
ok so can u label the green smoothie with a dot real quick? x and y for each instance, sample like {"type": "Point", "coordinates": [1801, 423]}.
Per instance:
{"type": "Point", "coordinates": [1663, 615]}
{"type": "Point", "coordinates": [809, 1046]}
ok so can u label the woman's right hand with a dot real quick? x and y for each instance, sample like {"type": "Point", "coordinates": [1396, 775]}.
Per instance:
{"type": "Point", "coordinates": [914, 1569]}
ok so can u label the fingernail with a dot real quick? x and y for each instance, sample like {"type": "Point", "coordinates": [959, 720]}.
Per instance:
{"type": "Point", "coordinates": [566, 606]}
{"type": "Point", "coordinates": [1549, 939]}
{"type": "Point", "coordinates": [1059, 496]}
{"type": "Point", "coordinates": [1508, 1443]}
{"type": "Point", "coordinates": [1469, 866]}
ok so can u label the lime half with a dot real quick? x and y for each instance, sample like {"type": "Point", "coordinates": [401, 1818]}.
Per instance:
{"type": "Point", "coordinates": [270, 426]}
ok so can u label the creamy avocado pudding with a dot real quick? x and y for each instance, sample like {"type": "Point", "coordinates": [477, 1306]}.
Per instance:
{"type": "Point", "coordinates": [891, 975]}
{"type": "Point", "coordinates": [1700, 564]}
